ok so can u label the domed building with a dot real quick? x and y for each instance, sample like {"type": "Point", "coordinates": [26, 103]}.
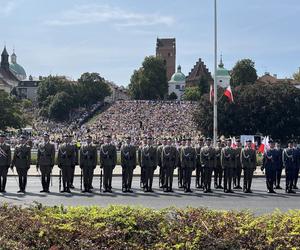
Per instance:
{"type": "Point", "coordinates": [177, 83]}
{"type": "Point", "coordinates": [16, 68]}
{"type": "Point", "coordinates": [223, 75]}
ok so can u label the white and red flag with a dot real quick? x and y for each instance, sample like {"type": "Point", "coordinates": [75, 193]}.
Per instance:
{"type": "Point", "coordinates": [228, 93]}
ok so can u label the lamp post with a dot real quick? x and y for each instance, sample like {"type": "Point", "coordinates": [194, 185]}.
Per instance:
{"type": "Point", "coordinates": [215, 99]}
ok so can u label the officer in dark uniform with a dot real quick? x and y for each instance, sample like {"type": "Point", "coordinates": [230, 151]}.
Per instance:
{"type": "Point", "coordinates": [228, 165]}
{"type": "Point", "coordinates": [270, 162]}
{"type": "Point", "coordinates": [128, 163]}
{"type": "Point", "coordinates": [297, 165]}
{"type": "Point", "coordinates": [289, 163]}
{"type": "Point", "coordinates": [199, 168]}
{"type": "Point", "coordinates": [279, 166]}
{"type": "Point", "coordinates": [159, 163]}
{"type": "Point", "coordinates": [248, 160]}
{"type": "Point", "coordinates": [179, 169]}
{"type": "Point", "coordinates": [188, 163]}
{"type": "Point", "coordinates": [208, 162]}
{"type": "Point", "coordinates": [5, 161]}
{"type": "Point", "coordinates": [218, 171]}
{"type": "Point", "coordinates": [45, 161]}
{"type": "Point", "coordinates": [66, 159]}
{"type": "Point", "coordinates": [21, 160]}
{"type": "Point", "coordinates": [149, 162]}
{"type": "Point", "coordinates": [169, 159]}
{"type": "Point", "coordinates": [238, 166]}
{"type": "Point", "coordinates": [88, 162]}
{"type": "Point", "coordinates": [108, 161]}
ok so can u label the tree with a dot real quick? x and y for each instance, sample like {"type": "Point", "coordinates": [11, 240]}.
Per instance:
{"type": "Point", "coordinates": [60, 106]}
{"type": "Point", "coordinates": [259, 108]}
{"type": "Point", "coordinates": [203, 85]}
{"type": "Point", "coordinates": [10, 112]}
{"type": "Point", "coordinates": [243, 73]}
{"type": "Point", "coordinates": [172, 96]}
{"type": "Point", "coordinates": [150, 81]}
{"type": "Point", "coordinates": [296, 76]}
{"type": "Point", "coordinates": [191, 94]}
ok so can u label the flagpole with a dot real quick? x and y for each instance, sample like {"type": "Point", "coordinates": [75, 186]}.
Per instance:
{"type": "Point", "coordinates": [215, 124]}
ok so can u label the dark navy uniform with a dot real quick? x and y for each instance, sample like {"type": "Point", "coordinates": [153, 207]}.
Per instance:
{"type": "Point", "coordinates": [270, 162]}
{"type": "Point", "coordinates": [238, 168]}
{"type": "Point", "coordinates": [289, 162]}
{"type": "Point", "coordinates": [297, 165]}
{"type": "Point", "coordinates": [279, 167]}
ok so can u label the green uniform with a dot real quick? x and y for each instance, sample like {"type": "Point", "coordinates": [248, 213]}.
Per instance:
{"type": "Point", "coordinates": [88, 162]}
{"type": "Point", "coordinates": [238, 169]}
{"type": "Point", "coordinates": [128, 162]}
{"type": "Point", "coordinates": [218, 171]}
{"type": "Point", "coordinates": [208, 162]}
{"type": "Point", "coordinates": [66, 160]}
{"type": "Point", "coordinates": [149, 164]}
{"type": "Point", "coordinates": [228, 165]}
{"type": "Point", "coordinates": [45, 161]}
{"type": "Point", "coordinates": [108, 161]}
{"type": "Point", "coordinates": [199, 169]}
{"type": "Point", "coordinates": [180, 170]}
{"type": "Point", "coordinates": [5, 161]}
{"type": "Point", "coordinates": [248, 160]}
{"type": "Point", "coordinates": [188, 164]}
{"type": "Point", "coordinates": [76, 149]}
{"type": "Point", "coordinates": [169, 161]}
{"type": "Point", "coordinates": [21, 160]}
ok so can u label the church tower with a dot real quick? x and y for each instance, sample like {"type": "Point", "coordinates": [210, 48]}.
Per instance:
{"type": "Point", "coordinates": [4, 59]}
{"type": "Point", "coordinates": [166, 49]}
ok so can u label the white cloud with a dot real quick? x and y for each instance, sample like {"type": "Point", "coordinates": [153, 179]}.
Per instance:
{"type": "Point", "coordinates": [7, 6]}
{"type": "Point", "coordinates": [87, 14]}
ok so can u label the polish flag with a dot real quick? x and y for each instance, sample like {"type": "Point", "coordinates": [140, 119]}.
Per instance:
{"type": "Point", "coordinates": [211, 93]}
{"type": "Point", "coordinates": [264, 145]}
{"type": "Point", "coordinates": [228, 93]}
{"type": "Point", "coordinates": [233, 142]}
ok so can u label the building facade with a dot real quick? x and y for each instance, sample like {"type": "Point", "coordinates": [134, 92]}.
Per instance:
{"type": "Point", "coordinates": [177, 84]}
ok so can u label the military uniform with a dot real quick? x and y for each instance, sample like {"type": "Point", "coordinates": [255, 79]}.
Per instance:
{"type": "Point", "coordinates": [289, 162]}
{"type": "Point", "coordinates": [108, 161]}
{"type": "Point", "coordinates": [218, 171]}
{"type": "Point", "coordinates": [238, 169]}
{"type": "Point", "coordinates": [199, 167]}
{"type": "Point", "coordinates": [279, 168]}
{"type": "Point", "coordinates": [45, 162]}
{"type": "Point", "coordinates": [297, 165]}
{"type": "Point", "coordinates": [128, 162]}
{"type": "Point", "coordinates": [188, 164]}
{"type": "Point", "coordinates": [159, 164]}
{"type": "Point", "coordinates": [180, 169]}
{"type": "Point", "coordinates": [270, 163]}
{"type": "Point", "coordinates": [76, 149]}
{"type": "Point", "coordinates": [208, 162]}
{"type": "Point", "coordinates": [228, 165]}
{"type": "Point", "coordinates": [21, 160]}
{"type": "Point", "coordinates": [248, 160]}
{"type": "Point", "coordinates": [5, 161]}
{"type": "Point", "coordinates": [88, 162]}
{"type": "Point", "coordinates": [66, 160]}
{"type": "Point", "coordinates": [149, 163]}
{"type": "Point", "coordinates": [169, 159]}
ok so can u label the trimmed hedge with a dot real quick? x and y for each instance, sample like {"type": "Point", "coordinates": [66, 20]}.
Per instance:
{"type": "Point", "coordinates": [124, 227]}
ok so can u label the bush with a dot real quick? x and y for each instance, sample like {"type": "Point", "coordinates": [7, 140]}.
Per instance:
{"type": "Point", "coordinates": [124, 227]}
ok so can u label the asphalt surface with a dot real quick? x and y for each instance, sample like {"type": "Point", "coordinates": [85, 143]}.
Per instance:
{"type": "Point", "coordinates": [259, 201]}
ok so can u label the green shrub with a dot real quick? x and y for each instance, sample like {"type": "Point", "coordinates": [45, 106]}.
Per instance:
{"type": "Point", "coordinates": [124, 227]}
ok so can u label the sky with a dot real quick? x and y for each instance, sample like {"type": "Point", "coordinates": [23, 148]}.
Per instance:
{"type": "Point", "coordinates": [112, 37]}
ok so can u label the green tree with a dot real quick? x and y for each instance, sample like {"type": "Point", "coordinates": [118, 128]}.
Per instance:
{"type": "Point", "coordinates": [243, 73]}
{"type": "Point", "coordinates": [203, 85]}
{"type": "Point", "coordinates": [172, 96]}
{"type": "Point", "coordinates": [150, 81]}
{"type": "Point", "coordinates": [60, 106]}
{"type": "Point", "coordinates": [259, 108]}
{"type": "Point", "coordinates": [10, 112]}
{"type": "Point", "coordinates": [191, 94]}
{"type": "Point", "coordinates": [296, 76]}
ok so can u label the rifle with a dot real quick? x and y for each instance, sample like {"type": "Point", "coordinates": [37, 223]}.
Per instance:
{"type": "Point", "coordinates": [81, 179]}
{"type": "Point", "coordinates": [101, 175]}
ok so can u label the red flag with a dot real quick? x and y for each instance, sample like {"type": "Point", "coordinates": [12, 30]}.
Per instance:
{"type": "Point", "coordinates": [228, 93]}
{"type": "Point", "coordinates": [211, 93]}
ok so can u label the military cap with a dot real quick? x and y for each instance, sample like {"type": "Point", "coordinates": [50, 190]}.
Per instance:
{"type": "Point", "coordinates": [208, 139]}
{"type": "Point", "coordinates": [201, 139]}
{"type": "Point", "coordinates": [271, 141]}
{"type": "Point", "coordinates": [238, 140]}
{"type": "Point", "coordinates": [228, 139]}
{"type": "Point", "coordinates": [219, 140]}
{"type": "Point", "coordinates": [248, 140]}
{"type": "Point", "coordinates": [46, 134]}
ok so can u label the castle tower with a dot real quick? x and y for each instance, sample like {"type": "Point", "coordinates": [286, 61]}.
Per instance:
{"type": "Point", "coordinates": [4, 59]}
{"type": "Point", "coordinates": [166, 49]}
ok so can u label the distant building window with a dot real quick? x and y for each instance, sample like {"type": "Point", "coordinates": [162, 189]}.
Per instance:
{"type": "Point", "coordinates": [177, 87]}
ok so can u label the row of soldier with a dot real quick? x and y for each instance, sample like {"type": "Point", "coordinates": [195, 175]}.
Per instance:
{"type": "Point", "coordinates": [226, 163]}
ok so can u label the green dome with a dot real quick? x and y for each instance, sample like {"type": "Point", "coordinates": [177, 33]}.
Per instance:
{"type": "Point", "coordinates": [17, 70]}
{"type": "Point", "coordinates": [178, 76]}
{"type": "Point", "coordinates": [221, 71]}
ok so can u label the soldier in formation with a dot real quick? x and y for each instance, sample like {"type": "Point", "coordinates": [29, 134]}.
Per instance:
{"type": "Point", "coordinates": [238, 166]}
{"type": "Point", "coordinates": [218, 171]}
{"type": "Point", "coordinates": [289, 163]}
{"type": "Point", "coordinates": [45, 161]}
{"type": "Point", "coordinates": [5, 162]}
{"type": "Point", "coordinates": [228, 165]}
{"type": "Point", "coordinates": [88, 163]}
{"type": "Point", "coordinates": [159, 162]}
{"type": "Point", "coordinates": [248, 160]}
{"type": "Point", "coordinates": [199, 168]}
{"type": "Point", "coordinates": [188, 164]}
{"type": "Point", "coordinates": [208, 163]}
